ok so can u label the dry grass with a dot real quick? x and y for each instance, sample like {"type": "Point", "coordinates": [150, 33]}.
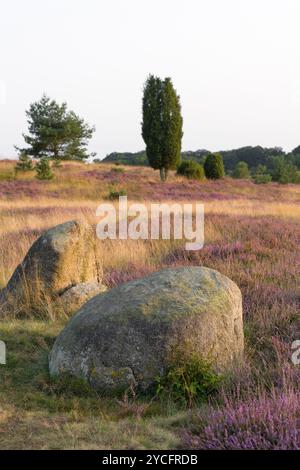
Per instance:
{"type": "Point", "coordinates": [251, 234]}
{"type": "Point", "coordinates": [37, 413]}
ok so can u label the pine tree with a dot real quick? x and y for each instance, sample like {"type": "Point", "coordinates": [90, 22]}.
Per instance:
{"type": "Point", "coordinates": [55, 132]}
{"type": "Point", "coordinates": [214, 166]}
{"type": "Point", "coordinates": [162, 125]}
{"type": "Point", "coordinates": [43, 169]}
{"type": "Point", "coordinates": [24, 163]}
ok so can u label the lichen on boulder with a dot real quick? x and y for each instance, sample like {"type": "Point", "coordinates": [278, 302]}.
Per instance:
{"type": "Point", "coordinates": [61, 258]}
{"type": "Point", "coordinates": [74, 297]}
{"type": "Point", "coordinates": [128, 335]}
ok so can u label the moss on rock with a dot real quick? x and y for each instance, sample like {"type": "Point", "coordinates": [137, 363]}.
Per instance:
{"type": "Point", "coordinates": [138, 326]}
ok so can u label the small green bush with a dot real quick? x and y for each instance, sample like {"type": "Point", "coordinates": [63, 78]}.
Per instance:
{"type": "Point", "coordinates": [214, 166]}
{"type": "Point", "coordinates": [283, 170]}
{"type": "Point", "coordinates": [241, 171]}
{"type": "Point", "coordinates": [115, 194]}
{"type": "Point", "coordinates": [261, 175]}
{"type": "Point", "coordinates": [24, 163]}
{"type": "Point", "coordinates": [7, 176]}
{"type": "Point", "coordinates": [262, 179]}
{"type": "Point", "coordinates": [188, 380]}
{"type": "Point", "coordinates": [68, 385]}
{"type": "Point", "coordinates": [43, 169]}
{"type": "Point", "coordinates": [191, 169]}
{"type": "Point", "coordinates": [118, 170]}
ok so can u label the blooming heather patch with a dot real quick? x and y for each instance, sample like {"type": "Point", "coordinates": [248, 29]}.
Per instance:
{"type": "Point", "coordinates": [262, 423]}
{"type": "Point", "coordinates": [118, 276]}
{"type": "Point", "coordinates": [261, 255]}
{"type": "Point", "coordinates": [12, 189]}
{"type": "Point", "coordinates": [78, 180]}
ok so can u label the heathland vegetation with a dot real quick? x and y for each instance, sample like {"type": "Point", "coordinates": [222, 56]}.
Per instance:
{"type": "Point", "coordinates": [251, 235]}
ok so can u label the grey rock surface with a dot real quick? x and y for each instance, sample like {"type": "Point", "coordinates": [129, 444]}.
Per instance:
{"type": "Point", "coordinates": [74, 297]}
{"type": "Point", "coordinates": [62, 257]}
{"type": "Point", "coordinates": [128, 335]}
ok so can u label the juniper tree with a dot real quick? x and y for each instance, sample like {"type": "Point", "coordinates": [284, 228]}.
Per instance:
{"type": "Point", "coordinates": [213, 166]}
{"type": "Point", "coordinates": [162, 125]}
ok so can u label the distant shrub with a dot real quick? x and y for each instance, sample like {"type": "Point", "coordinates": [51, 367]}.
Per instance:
{"type": "Point", "coordinates": [7, 175]}
{"type": "Point", "coordinates": [261, 175]}
{"type": "Point", "coordinates": [214, 166]}
{"type": "Point", "coordinates": [43, 169]}
{"type": "Point", "coordinates": [297, 178]}
{"type": "Point", "coordinates": [24, 163]}
{"type": "Point", "coordinates": [295, 159]}
{"type": "Point", "coordinates": [191, 169]}
{"type": "Point", "coordinates": [241, 171]}
{"type": "Point", "coordinates": [283, 171]}
{"type": "Point", "coordinates": [188, 380]}
{"type": "Point", "coordinates": [262, 179]}
{"type": "Point", "coordinates": [118, 170]}
{"type": "Point", "coordinates": [115, 194]}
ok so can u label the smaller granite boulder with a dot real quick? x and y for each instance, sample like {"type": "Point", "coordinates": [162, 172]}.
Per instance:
{"type": "Point", "coordinates": [74, 297]}
{"type": "Point", "coordinates": [61, 258]}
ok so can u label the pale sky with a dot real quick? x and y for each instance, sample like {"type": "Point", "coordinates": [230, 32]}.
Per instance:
{"type": "Point", "coordinates": [235, 64]}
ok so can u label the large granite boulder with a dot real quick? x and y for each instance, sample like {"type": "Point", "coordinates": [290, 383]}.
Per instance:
{"type": "Point", "coordinates": [129, 334]}
{"type": "Point", "coordinates": [58, 260]}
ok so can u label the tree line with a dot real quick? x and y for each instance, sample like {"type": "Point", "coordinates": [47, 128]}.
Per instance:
{"type": "Point", "coordinates": [56, 133]}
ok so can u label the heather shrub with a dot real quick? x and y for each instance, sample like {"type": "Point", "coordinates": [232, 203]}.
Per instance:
{"type": "Point", "coordinates": [259, 423]}
{"type": "Point", "coordinates": [192, 170]}
{"type": "Point", "coordinates": [116, 276]}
